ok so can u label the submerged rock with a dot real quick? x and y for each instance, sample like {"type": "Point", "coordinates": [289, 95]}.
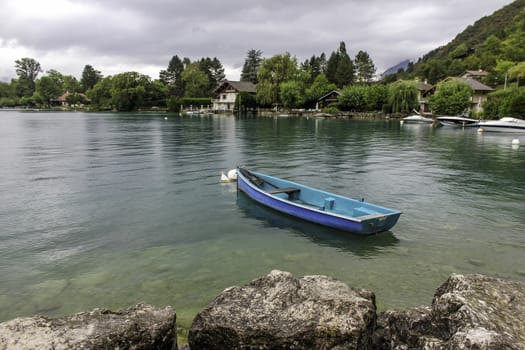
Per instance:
{"type": "Point", "coordinates": [279, 311]}
{"type": "Point", "coordinates": [138, 327]}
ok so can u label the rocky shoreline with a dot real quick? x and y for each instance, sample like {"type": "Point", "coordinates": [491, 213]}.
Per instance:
{"type": "Point", "coordinates": [280, 311]}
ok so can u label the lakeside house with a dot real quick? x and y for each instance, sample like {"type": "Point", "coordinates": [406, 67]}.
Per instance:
{"type": "Point", "coordinates": [424, 91]}
{"type": "Point", "coordinates": [225, 94]}
{"type": "Point", "coordinates": [327, 99]}
{"type": "Point", "coordinates": [479, 75]}
{"type": "Point", "coordinates": [62, 100]}
{"type": "Point", "coordinates": [479, 92]}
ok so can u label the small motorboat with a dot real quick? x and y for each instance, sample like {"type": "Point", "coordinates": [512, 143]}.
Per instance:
{"type": "Point", "coordinates": [416, 118]}
{"type": "Point", "coordinates": [505, 124]}
{"type": "Point", "coordinates": [457, 121]}
{"type": "Point", "coordinates": [317, 206]}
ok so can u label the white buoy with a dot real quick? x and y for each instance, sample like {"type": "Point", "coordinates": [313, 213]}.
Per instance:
{"type": "Point", "coordinates": [224, 178]}
{"type": "Point", "coordinates": [516, 141]}
{"type": "Point", "coordinates": [480, 130]}
{"type": "Point", "coordinates": [165, 118]}
{"type": "Point", "coordinates": [232, 175]}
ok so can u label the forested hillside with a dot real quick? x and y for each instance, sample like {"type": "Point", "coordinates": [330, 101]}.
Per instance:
{"type": "Point", "coordinates": [494, 43]}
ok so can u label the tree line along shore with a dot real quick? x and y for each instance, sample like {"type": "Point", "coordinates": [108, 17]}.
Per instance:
{"type": "Point", "coordinates": [280, 82]}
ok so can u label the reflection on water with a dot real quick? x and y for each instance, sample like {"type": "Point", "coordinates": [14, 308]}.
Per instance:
{"type": "Point", "coordinates": [106, 210]}
{"type": "Point", "coordinates": [365, 246]}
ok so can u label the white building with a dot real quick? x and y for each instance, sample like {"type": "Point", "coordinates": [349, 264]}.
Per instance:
{"type": "Point", "coordinates": [225, 94]}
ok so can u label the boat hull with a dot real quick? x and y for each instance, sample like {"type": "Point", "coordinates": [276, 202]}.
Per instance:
{"type": "Point", "coordinates": [378, 219]}
{"type": "Point", "coordinates": [506, 124]}
{"type": "Point", "coordinates": [417, 119]}
{"type": "Point", "coordinates": [458, 122]}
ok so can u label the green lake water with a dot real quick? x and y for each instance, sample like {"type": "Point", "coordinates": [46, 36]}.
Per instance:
{"type": "Point", "coordinates": [108, 210]}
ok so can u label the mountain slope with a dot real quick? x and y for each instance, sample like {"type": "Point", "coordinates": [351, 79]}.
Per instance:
{"type": "Point", "coordinates": [500, 36]}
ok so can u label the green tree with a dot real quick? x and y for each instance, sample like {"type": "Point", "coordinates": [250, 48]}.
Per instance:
{"type": "Point", "coordinates": [90, 76]}
{"type": "Point", "coordinates": [100, 94]}
{"type": "Point", "coordinates": [432, 70]}
{"type": "Point", "coordinates": [514, 106]}
{"type": "Point", "coordinates": [513, 47]}
{"type": "Point", "coordinates": [76, 99]}
{"type": "Point", "coordinates": [251, 66]}
{"type": "Point", "coordinates": [8, 101]}
{"type": "Point", "coordinates": [71, 84]}
{"type": "Point", "coordinates": [172, 77]}
{"type": "Point", "coordinates": [505, 103]}
{"type": "Point", "coordinates": [48, 88]}
{"type": "Point", "coordinates": [518, 72]}
{"type": "Point", "coordinates": [34, 100]}
{"type": "Point", "coordinates": [271, 74]}
{"type": "Point", "coordinates": [353, 98]}
{"type": "Point", "coordinates": [376, 97]}
{"type": "Point", "coordinates": [340, 68]}
{"type": "Point", "coordinates": [291, 94]}
{"type": "Point", "coordinates": [402, 96]}
{"type": "Point", "coordinates": [155, 96]}
{"type": "Point", "coordinates": [7, 90]}
{"type": "Point", "coordinates": [500, 72]}
{"type": "Point", "coordinates": [331, 67]}
{"type": "Point", "coordinates": [452, 97]}
{"type": "Point", "coordinates": [245, 101]}
{"type": "Point", "coordinates": [364, 66]}
{"type": "Point", "coordinates": [320, 87]}
{"type": "Point", "coordinates": [8, 96]}
{"type": "Point", "coordinates": [27, 70]}
{"type": "Point", "coordinates": [128, 90]}
{"type": "Point", "coordinates": [267, 94]}
{"type": "Point", "coordinates": [196, 82]}
{"type": "Point", "coordinates": [67, 83]}
{"type": "Point", "coordinates": [456, 68]}
{"type": "Point", "coordinates": [214, 70]}
{"type": "Point", "coordinates": [314, 66]}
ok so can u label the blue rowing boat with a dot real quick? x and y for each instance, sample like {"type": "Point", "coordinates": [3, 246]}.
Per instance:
{"type": "Point", "coordinates": [316, 206]}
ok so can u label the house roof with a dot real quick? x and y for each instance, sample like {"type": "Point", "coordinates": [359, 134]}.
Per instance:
{"type": "Point", "coordinates": [475, 73]}
{"type": "Point", "coordinates": [423, 86]}
{"type": "Point", "coordinates": [324, 97]}
{"type": "Point", "coordinates": [63, 97]}
{"type": "Point", "coordinates": [474, 84]}
{"type": "Point", "coordinates": [239, 86]}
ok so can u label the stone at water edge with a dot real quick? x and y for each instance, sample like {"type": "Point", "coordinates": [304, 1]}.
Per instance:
{"type": "Point", "coordinates": [280, 311]}
{"type": "Point", "coordinates": [139, 327]}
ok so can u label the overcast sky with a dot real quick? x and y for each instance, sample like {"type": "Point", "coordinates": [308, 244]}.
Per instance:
{"type": "Point", "coordinates": [116, 36]}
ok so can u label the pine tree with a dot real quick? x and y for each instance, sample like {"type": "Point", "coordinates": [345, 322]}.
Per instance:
{"type": "Point", "coordinates": [251, 66]}
{"type": "Point", "coordinates": [365, 68]}
{"type": "Point", "coordinates": [172, 76]}
{"type": "Point", "coordinates": [340, 68]}
{"type": "Point", "coordinates": [90, 77]}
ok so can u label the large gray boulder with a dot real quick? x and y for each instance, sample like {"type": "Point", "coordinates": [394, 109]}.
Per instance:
{"type": "Point", "coordinates": [480, 312]}
{"type": "Point", "coordinates": [468, 312]}
{"type": "Point", "coordinates": [138, 327]}
{"type": "Point", "coordinates": [279, 311]}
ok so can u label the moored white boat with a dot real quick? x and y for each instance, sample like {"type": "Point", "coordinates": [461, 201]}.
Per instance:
{"type": "Point", "coordinates": [416, 118]}
{"type": "Point", "coordinates": [457, 121]}
{"type": "Point", "coordinates": [505, 124]}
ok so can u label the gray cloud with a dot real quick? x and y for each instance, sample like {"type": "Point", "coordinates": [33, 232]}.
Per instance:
{"type": "Point", "coordinates": [120, 35]}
